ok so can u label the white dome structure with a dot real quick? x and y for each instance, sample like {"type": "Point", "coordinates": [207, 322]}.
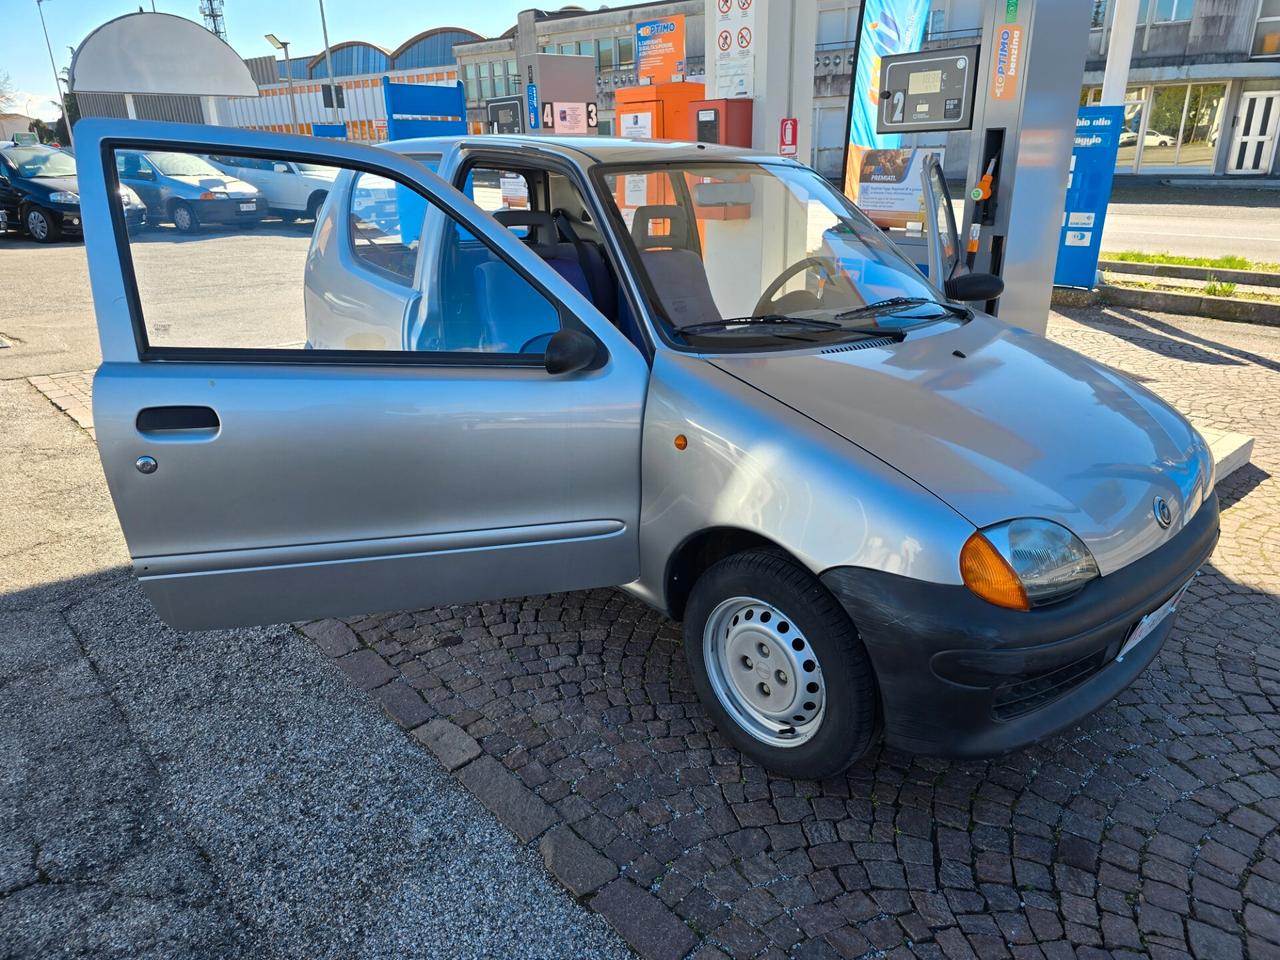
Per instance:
{"type": "Point", "coordinates": [158, 53]}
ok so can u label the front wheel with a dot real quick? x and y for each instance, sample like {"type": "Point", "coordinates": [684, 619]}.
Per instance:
{"type": "Point", "coordinates": [184, 218]}
{"type": "Point", "coordinates": [43, 226]}
{"type": "Point", "coordinates": [780, 666]}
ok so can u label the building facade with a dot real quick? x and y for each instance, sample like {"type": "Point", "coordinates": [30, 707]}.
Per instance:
{"type": "Point", "coordinates": [489, 67]}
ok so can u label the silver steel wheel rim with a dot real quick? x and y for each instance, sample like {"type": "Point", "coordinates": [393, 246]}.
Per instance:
{"type": "Point", "coordinates": [764, 672]}
{"type": "Point", "coordinates": [37, 226]}
{"type": "Point", "coordinates": [182, 218]}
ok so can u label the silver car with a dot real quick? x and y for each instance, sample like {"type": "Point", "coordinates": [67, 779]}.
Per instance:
{"type": "Point", "coordinates": [695, 372]}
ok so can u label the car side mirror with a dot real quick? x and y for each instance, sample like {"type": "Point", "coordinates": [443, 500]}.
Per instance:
{"type": "Point", "coordinates": [568, 351]}
{"type": "Point", "coordinates": [281, 168]}
{"type": "Point", "coordinates": [144, 175]}
{"type": "Point", "coordinates": [970, 287]}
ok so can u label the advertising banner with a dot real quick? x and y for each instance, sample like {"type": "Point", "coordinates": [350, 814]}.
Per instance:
{"type": "Point", "coordinates": [1093, 165]}
{"type": "Point", "coordinates": [887, 28]}
{"type": "Point", "coordinates": [735, 48]}
{"type": "Point", "coordinates": [660, 50]}
{"type": "Point", "coordinates": [889, 184]}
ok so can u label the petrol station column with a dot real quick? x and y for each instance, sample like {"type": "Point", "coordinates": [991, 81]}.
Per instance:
{"type": "Point", "coordinates": [762, 50]}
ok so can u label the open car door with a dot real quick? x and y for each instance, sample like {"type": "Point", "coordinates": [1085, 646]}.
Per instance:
{"type": "Point", "coordinates": [261, 473]}
{"type": "Point", "coordinates": [940, 219]}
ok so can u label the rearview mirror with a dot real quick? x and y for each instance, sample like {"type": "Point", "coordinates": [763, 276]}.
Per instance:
{"type": "Point", "coordinates": [568, 351]}
{"type": "Point", "coordinates": [970, 287]}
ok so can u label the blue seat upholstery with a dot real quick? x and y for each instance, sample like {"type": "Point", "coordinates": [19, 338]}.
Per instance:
{"type": "Point", "coordinates": [544, 241]}
{"type": "Point", "coordinates": [514, 314]}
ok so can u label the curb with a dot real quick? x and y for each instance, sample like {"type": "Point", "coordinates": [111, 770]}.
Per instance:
{"type": "Point", "coordinates": [652, 929]}
{"type": "Point", "coordinates": [1252, 278]}
{"type": "Point", "coordinates": [1188, 304]}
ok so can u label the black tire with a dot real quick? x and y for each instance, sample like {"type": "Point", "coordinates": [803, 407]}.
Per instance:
{"type": "Point", "coordinates": [314, 203]}
{"type": "Point", "coordinates": [850, 723]}
{"type": "Point", "coordinates": [184, 218]}
{"type": "Point", "coordinates": [41, 225]}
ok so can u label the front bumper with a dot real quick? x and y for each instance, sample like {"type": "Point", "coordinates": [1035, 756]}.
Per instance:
{"type": "Point", "coordinates": [960, 677]}
{"type": "Point", "coordinates": [228, 211]}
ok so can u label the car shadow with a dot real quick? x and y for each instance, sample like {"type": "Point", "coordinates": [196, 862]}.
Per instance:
{"type": "Point", "coordinates": [1165, 338]}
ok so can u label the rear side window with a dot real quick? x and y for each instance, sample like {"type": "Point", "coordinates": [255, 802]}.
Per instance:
{"type": "Point", "coordinates": [381, 273]}
{"type": "Point", "coordinates": [386, 225]}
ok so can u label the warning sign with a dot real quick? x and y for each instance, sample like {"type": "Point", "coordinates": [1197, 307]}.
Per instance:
{"type": "Point", "coordinates": [735, 48]}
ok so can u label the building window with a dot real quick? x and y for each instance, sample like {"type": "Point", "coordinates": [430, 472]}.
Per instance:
{"type": "Point", "coordinates": [1173, 125]}
{"type": "Point", "coordinates": [626, 51]}
{"type": "Point", "coordinates": [1099, 16]}
{"type": "Point", "coordinates": [1266, 38]}
{"type": "Point", "coordinates": [1165, 11]}
{"type": "Point", "coordinates": [937, 23]}
{"type": "Point", "coordinates": [469, 82]}
{"type": "Point", "coordinates": [568, 49]}
{"type": "Point", "coordinates": [586, 48]}
{"type": "Point", "coordinates": [605, 59]}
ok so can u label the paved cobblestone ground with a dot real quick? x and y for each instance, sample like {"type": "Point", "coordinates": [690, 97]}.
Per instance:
{"type": "Point", "coordinates": [1152, 829]}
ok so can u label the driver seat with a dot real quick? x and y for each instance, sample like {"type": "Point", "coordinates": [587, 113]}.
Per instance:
{"type": "Point", "coordinates": [678, 276]}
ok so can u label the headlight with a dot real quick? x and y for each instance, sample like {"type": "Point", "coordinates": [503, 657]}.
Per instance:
{"type": "Point", "coordinates": [129, 198]}
{"type": "Point", "coordinates": [64, 196]}
{"type": "Point", "coordinates": [1025, 563]}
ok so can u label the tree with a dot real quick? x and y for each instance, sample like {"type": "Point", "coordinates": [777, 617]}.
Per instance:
{"type": "Point", "coordinates": [6, 91]}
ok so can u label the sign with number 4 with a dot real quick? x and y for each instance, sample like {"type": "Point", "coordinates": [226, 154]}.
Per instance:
{"type": "Point", "coordinates": [548, 115]}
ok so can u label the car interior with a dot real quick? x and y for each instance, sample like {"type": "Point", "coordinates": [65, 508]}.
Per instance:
{"type": "Point", "coordinates": [548, 213]}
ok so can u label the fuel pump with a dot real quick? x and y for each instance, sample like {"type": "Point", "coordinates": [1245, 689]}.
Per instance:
{"type": "Point", "coordinates": [1017, 90]}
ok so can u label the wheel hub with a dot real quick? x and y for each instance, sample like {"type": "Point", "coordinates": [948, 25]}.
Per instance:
{"type": "Point", "coordinates": [764, 671]}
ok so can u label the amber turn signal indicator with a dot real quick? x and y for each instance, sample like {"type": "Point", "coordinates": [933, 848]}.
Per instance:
{"type": "Point", "coordinates": [989, 575]}
{"type": "Point", "coordinates": [681, 441]}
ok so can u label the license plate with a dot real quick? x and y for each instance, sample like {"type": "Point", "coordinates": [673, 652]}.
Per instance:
{"type": "Point", "coordinates": [248, 207]}
{"type": "Point", "coordinates": [1152, 620]}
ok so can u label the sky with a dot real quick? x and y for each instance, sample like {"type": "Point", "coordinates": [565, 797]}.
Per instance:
{"type": "Point", "coordinates": [389, 23]}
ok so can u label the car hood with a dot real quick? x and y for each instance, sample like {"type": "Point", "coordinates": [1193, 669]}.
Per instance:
{"type": "Point", "coordinates": [210, 182]}
{"type": "Point", "coordinates": [51, 184]}
{"type": "Point", "coordinates": [1001, 423]}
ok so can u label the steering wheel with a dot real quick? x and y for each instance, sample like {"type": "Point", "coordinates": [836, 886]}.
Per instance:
{"type": "Point", "coordinates": [766, 304]}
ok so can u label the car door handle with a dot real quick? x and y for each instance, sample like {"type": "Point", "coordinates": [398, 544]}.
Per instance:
{"type": "Point", "coordinates": [178, 423]}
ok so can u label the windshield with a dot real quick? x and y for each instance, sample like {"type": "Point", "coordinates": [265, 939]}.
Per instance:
{"type": "Point", "coordinates": [747, 254]}
{"type": "Point", "coordinates": [183, 165]}
{"type": "Point", "coordinates": [35, 162]}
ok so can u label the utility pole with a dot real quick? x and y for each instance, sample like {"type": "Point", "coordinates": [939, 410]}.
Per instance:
{"type": "Point", "coordinates": [288, 73]}
{"type": "Point", "coordinates": [57, 80]}
{"type": "Point", "coordinates": [328, 66]}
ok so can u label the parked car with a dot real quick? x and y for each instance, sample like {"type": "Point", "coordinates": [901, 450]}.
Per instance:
{"type": "Point", "coordinates": [292, 189]}
{"type": "Point", "coordinates": [39, 194]}
{"type": "Point", "coordinates": [188, 190]}
{"type": "Point", "coordinates": [701, 374]}
{"type": "Point", "coordinates": [1152, 138]}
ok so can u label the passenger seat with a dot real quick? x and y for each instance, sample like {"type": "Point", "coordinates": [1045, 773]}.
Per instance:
{"type": "Point", "coordinates": [679, 278]}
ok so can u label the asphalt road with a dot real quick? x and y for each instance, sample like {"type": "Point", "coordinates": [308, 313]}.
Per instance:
{"type": "Point", "coordinates": [1200, 222]}
{"type": "Point", "coordinates": [225, 794]}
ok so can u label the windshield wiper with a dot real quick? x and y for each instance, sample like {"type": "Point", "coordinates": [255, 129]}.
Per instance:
{"type": "Point", "coordinates": [897, 304]}
{"type": "Point", "coordinates": [768, 319]}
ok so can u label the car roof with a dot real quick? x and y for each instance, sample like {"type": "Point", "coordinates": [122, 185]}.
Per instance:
{"type": "Point", "coordinates": [588, 151]}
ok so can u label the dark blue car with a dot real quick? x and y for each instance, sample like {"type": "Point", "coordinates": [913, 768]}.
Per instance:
{"type": "Point", "coordinates": [39, 194]}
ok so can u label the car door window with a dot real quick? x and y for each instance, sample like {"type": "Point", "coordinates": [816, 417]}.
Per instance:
{"type": "Point", "coordinates": [246, 281]}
